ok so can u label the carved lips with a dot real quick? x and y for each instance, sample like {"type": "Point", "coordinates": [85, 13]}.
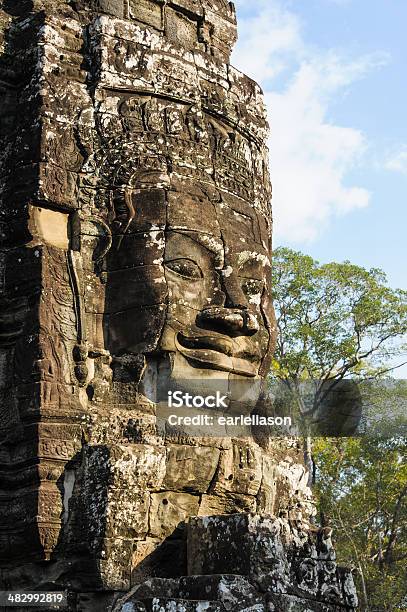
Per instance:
{"type": "Point", "coordinates": [219, 352]}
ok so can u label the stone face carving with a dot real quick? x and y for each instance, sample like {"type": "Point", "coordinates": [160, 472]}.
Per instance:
{"type": "Point", "coordinates": [135, 248]}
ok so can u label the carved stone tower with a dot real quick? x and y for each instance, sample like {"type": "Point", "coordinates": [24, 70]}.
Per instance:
{"type": "Point", "coordinates": [135, 246]}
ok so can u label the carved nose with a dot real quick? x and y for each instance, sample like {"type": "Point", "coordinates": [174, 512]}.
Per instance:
{"type": "Point", "coordinates": [233, 321]}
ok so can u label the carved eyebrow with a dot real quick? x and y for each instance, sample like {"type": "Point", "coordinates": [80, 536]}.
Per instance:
{"type": "Point", "coordinates": [210, 242]}
{"type": "Point", "coordinates": [247, 257]}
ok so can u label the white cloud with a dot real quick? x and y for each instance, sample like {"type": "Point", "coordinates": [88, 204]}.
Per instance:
{"type": "Point", "coordinates": [311, 156]}
{"type": "Point", "coordinates": [397, 162]}
{"type": "Point", "coordinates": [266, 41]}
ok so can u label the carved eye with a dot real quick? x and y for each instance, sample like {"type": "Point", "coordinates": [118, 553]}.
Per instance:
{"type": "Point", "coordinates": [185, 268]}
{"type": "Point", "coordinates": [253, 287]}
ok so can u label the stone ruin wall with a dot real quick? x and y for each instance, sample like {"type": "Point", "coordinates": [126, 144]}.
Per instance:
{"type": "Point", "coordinates": [127, 142]}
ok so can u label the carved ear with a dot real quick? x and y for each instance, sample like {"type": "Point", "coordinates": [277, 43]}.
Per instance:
{"type": "Point", "coordinates": [91, 234]}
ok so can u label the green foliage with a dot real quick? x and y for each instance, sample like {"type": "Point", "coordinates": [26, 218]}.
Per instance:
{"type": "Point", "coordinates": [334, 320]}
{"type": "Point", "coordinates": [384, 407]}
{"type": "Point", "coordinates": [361, 489]}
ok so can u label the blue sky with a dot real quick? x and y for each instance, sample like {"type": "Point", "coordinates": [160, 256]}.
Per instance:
{"type": "Point", "coordinates": [333, 73]}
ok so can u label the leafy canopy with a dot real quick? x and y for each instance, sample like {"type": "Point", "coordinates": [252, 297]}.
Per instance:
{"type": "Point", "coordinates": [361, 491]}
{"type": "Point", "coordinates": [335, 320]}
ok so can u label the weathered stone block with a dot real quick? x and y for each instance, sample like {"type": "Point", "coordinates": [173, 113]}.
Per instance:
{"type": "Point", "coordinates": [209, 554]}
{"type": "Point", "coordinates": [226, 504]}
{"type": "Point", "coordinates": [234, 592]}
{"type": "Point", "coordinates": [112, 7]}
{"type": "Point", "coordinates": [240, 470]}
{"type": "Point", "coordinates": [127, 514]}
{"type": "Point", "coordinates": [180, 30]}
{"type": "Point", "coordinates": [266, 496]}
{"type": "Point", "coordinates": [272, 554]}
{"type": "Point", "coordinates": [193, 7]}
{"type": "Point", "coordinates": [154, 587]}
{"type": "Point", "coordinates": [290, 603]}
{"type": "Point", "coordinates": [137, 466]}
{"type": "Point", "coordinates": [169, 510]}
{"type": "Point", "coordinates": [190, 468]}
{"type": "Point", "coordinates": [114, 564]}
{"type": "Point", "coordinates": [147, 12]}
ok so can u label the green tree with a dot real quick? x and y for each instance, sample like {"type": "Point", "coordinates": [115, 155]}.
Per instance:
{"type": "Point", "coordinates": [334, 321]}
{"type": "Point", "coordinates": [361, 489]}
{"type": "Point", "coordinates": [337, 322]}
